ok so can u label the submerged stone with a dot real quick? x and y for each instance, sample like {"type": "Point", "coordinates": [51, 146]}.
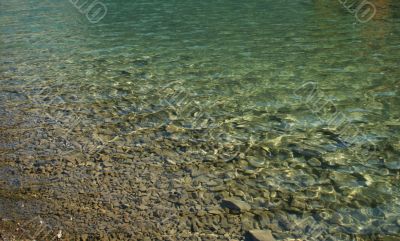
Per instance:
{"type": "Point", "coordinates": [235, 205]}
{"type": "Point", "coordinates": [255, 162]}
{"type": "Point", "coordinates": [261, 235]}
{"type": "Point", "coordinates": [140, 62]}
{"type": "Point", "coordinates": [314, 162]}
{"type": "Point", "coordinates": [394, 165]}
{"type": "Point", "coordinates": [123, 72]}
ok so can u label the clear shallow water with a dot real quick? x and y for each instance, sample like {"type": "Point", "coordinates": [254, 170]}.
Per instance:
{"type": "Point", "coordinates": [218, 80]}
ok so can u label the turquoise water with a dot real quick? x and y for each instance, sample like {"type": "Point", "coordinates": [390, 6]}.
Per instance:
{"type": "Point", "coordinates": [254, 84]}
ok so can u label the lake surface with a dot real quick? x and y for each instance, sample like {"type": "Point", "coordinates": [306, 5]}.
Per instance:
{"type": "Point", "coordinates": [143, 124]}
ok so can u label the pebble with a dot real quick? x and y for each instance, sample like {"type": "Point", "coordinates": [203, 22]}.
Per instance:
{"type": "Point", "coordinates": [107, 164]}
{"type": "Point", "coordinates": [393, 165]}
{"type": "Point", "coordinates": [141, 207]}
{"type": "Point", "coordinates": [217, 211]}
{"type": "Point", "coordinates": [314, 162]}
{"type": "Point", "coordinates": [84, 237]}
{"type": "Point", "coordinates": [261, 235]}
{"type": "Point", "coordinates": [388, 238]}
{"type": "Point", "coordinates": [124, 72]}
{"type": "Point", "coordinates": [255, 162]}
{"type": "Point", "coordinates": [300, 204]}
{"type": "Point", "coordinates": [235, 205]}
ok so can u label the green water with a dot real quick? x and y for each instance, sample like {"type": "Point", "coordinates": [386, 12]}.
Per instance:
{"type": "Point", "coordinates": [227, 75]}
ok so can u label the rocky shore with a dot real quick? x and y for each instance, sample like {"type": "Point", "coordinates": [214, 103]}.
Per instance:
{"type": "Point", "coordinates": [151, 184]}
{"type": "Point", "coordinates": [83, 161]}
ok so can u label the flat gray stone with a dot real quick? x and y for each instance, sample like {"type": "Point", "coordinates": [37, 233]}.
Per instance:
{"type": "Point", "coordinates": [235, 205]}
{"type": "Point", "coordinates": [261, 235]}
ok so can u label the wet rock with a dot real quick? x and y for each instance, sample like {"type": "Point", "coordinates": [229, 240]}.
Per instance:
{"type": "Point", "coordinates": [344, 180]}
{"type": "Point", "coordinates": [393, 165]}
{"type": "Point", "coordinates": [283, 220]}
{"type": "Point", "coordinates": [107, 164]}
{"type": "Point", "coordinates": [140, 62]}
{"type": "Point", "coordinates": [249, 221]}
{"type": "Point", "coordinates": [335, 159]}
{"type": "Point", "coordinates": [143, 75]}
{"type": "Point", "coordinates": [305, 152]}
{"type": "Point", "coordinates": [216, 211]}
{"type": "Point", "coordinates": [298, 204]}
{"type": "Point", "coordinates": [314, 162]}
{"type": "Point", "coordinates": [84, 237]}
{"type": "Point", "coordinates": [213, 183]}
{"type": "Point", "coordinates": [263, 220]}
{"type": "Point", "coordinates": [173, 129]}
{"type": "Point", "coordinates": [235, 205]}
{"type": "Point", "coordinates": [390, 228]}
{"type": "Point", "coordinates": [142, 207]}
{"type": "Point", "coordinates": [255, 162]}
{"type": "Point", "coordinates": [126, 73]}
{"type": "Point", "coordinates": [195, 225]}
{"type": "Point", "coordinates": [261, 235]}
{"type": "Point", "coordinates": [217, 188]}
{"type": "Point", "coordinates": [388, 238]}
